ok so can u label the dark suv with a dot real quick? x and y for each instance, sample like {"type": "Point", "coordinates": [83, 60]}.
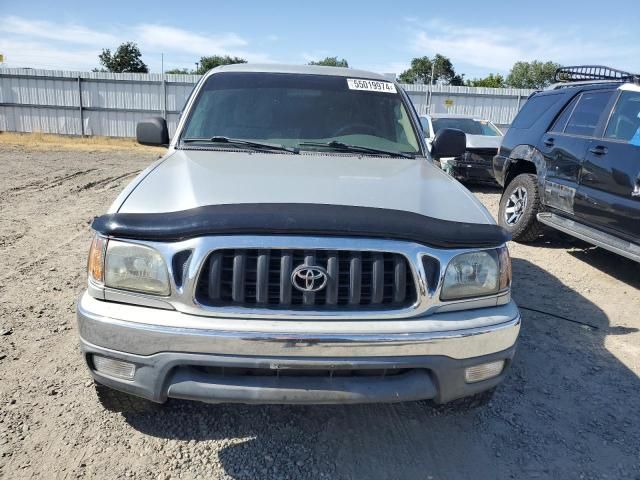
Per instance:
{"type": "Point", "coordinates": [571, 160]}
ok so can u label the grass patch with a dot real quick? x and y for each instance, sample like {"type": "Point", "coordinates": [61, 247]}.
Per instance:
{"type": "Point", "coordinates": [45, 141]}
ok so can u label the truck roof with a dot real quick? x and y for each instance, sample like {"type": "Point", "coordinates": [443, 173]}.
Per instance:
{"type": "Point", "coordinates": [298, 69]}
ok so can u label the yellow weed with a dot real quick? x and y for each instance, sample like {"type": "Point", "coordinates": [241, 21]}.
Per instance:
{"type": "Point", "coordinates": [44, 141]}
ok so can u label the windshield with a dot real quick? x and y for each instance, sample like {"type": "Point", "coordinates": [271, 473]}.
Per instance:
{"type": "Point", "coordinates": [467, 125]}
{"type": "Point", "coordinates": [294, 109]}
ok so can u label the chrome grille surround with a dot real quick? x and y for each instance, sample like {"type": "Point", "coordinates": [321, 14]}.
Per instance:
{"type": "Point", "coordinates": [352, 279]}
{"type": "Point", "coordinates": [183, 296]}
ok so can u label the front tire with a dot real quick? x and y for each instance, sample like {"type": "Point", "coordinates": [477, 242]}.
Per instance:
{"type": "Point", "coordinates": [519, 207]}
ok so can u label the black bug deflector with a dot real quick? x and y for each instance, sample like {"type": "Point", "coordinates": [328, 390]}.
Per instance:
{"type": "Point", "coordinates": [300, 219]}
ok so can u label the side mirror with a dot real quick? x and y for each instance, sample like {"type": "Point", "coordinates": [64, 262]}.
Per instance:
{"type": "Point", "coordinates": [152, 131]}
{"type": "Point", "coordinates": [448, 142]}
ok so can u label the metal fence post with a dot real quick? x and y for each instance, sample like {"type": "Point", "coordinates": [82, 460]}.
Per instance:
{"type": "Point", "coordinates": [164, 96]}
{"type": "Point", "coordinates": [80, 106]}
{"type": "Point", "coordinates": [428, 100]}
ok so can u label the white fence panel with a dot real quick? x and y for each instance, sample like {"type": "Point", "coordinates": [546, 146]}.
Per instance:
{"type": "Point", "coordinates": [500, 105]}
{"type": "Point", "coordinates": [43, 120]}
{"type": "Point", "coordinates": [48, 101]}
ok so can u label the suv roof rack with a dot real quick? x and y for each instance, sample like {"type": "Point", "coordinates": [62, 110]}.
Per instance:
{"type": "Point", "coordinates": [593, 73]}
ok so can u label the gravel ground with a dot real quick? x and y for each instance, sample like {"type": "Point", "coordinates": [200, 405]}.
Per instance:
{"type": "Point", "coordinates": [569, 408]}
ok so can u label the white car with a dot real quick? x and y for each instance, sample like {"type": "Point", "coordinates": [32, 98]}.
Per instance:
{"type": "Point", "coordinates": [483, 142]}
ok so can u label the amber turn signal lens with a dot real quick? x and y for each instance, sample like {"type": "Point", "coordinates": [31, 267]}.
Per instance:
{"type": "Point", "coordinates": [505, 268]}
{"type": "Point", "coordinates": [95, 265]}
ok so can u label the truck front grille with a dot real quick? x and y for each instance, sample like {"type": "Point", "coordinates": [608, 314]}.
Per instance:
{"type": "Point", "coordinates": [262, 278]}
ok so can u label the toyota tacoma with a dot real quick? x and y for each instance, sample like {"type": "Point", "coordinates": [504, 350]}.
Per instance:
{"type": "Point", "coordinates": [296, 244]}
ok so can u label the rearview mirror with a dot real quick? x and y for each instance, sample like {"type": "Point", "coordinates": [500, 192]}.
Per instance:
{"type": "Point", "coordinates": [448, 142]}
{"type": "Point", "coordinates": [152, 131]}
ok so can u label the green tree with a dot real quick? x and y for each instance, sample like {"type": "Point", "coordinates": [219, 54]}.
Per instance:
{"type": "Point", "coordinates": [331, 62]}
{"type": "Point", "coordinates": [457, 80]}
{"type": "Point", "coordinates": [126, 58]}
{"type": "Point", "coordinates": [421, 68]}
{"type": "Point", "coordinates": [418, 72]}
{"type": "Point", "coordinates": [207, 63]}
{"type": "Point", "coordinates": [179, 71]}
{"type": "Point", "coordinates": [534, 74]}
{"type": "Point", "coordinates": [492, 81]}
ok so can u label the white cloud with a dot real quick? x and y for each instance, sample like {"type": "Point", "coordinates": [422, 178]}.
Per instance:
{"type": "Point", "coordinates": [494, 48]}
{"type": "Point", "coordinates": [20, 53]}
{"type": "Point", "coordinates": [44, 44]}
{"type": "Point", "coordinates": [71, 33]}
{"type": "Point", "coordinates": [162, 37]}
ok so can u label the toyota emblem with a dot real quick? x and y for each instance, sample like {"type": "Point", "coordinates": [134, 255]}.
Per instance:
{"type": "Point", "coordinates": [309, 278]}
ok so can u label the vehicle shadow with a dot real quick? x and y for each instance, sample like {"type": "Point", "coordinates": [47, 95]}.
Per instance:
{"type": "Point", "coordinates": [617, 266]}
{"type": "Point", "coordinates": [612, 264]}
{"type": "Point", "coordinates": [568, 409]}
{"type": "Point", "coordinates": [482, 187]}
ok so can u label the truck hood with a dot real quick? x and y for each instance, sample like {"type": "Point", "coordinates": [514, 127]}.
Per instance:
{"type": "Point", "coordinates": [483, 141]}
{"type": "Point", "coordinates": [187, 179]}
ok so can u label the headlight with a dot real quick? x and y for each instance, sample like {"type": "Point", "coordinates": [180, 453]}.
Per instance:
{"type": "Point", "coordinates": [477, 274]}
{"type": "Point", "coordinates": [129, 266]}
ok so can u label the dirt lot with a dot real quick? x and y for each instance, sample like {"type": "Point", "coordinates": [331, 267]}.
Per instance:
{"type": "Point", "coordinates": [569, 409]}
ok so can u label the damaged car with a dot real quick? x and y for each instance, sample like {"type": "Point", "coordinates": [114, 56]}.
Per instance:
{"type": "Point", "coordinates": [571, 161]}
{"type": "Point", "coordinates": [475, 165]}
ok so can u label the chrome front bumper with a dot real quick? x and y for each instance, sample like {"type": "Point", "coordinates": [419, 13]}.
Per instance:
{"type": "Point", "coordinates": [166, 345]}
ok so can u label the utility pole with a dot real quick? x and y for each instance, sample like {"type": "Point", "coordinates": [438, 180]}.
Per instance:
{"type": "Point", "coordinates": [197, 67]}
{"type": "Point", "coordinates": [164, 88]}
{"type": "Point", "coordinates": [430, 93]}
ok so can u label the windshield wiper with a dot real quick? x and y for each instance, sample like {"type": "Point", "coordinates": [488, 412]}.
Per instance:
{"type": "Point", "coordinates": [346, 147]}
{"type": "Point", "coordinates": [245, 143]}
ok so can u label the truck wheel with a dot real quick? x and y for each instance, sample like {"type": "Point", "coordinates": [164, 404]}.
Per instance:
{"type": "Point", "coordinates": [120, 402]}
{"type": "Point", "coordinates": [464, 404]}
{"type": "Point", "coordinates": [519, 205]}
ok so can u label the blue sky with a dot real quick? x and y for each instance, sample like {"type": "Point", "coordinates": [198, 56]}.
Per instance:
{"type": "Point", "coordinates": [479, 37]}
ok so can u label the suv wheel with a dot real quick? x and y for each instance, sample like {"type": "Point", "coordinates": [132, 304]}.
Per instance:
{"type": "Point", "coordinates": [519, 206]}
{"type": "Point", "coordinates": [120, 402]}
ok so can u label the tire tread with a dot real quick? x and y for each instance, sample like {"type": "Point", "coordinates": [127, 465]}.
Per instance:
{"type": "Point", "coordinates": [528, 229]}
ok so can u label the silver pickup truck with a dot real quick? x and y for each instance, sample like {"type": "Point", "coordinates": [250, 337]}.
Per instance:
{"type": "Point", "coordinates": [296, 244]}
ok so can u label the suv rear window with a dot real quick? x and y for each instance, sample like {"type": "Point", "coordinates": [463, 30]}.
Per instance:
{"type": "Point", "coordinates": [534, 108]}
{"type": "Point", "coordinates": [625, 121]}
{"type": "Point", "coordinates": [563, 118]}
{"type": "Point", "coordinates": [586, 115]}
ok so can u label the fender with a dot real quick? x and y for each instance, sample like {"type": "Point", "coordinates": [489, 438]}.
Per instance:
{"type": "Point", "coordinates": [532, 161]}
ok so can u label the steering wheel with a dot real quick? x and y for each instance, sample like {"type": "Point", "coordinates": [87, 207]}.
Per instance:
{"type": "Point", "coordinates": [359, 127]}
